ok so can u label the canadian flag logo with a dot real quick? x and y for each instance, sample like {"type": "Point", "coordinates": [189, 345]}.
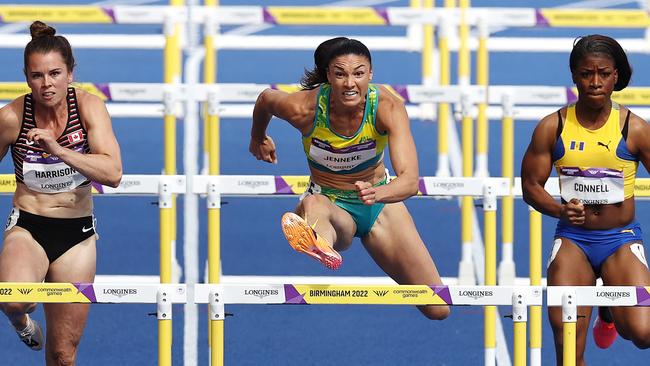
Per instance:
{"type": "Point", "coordinates": [75, 137]}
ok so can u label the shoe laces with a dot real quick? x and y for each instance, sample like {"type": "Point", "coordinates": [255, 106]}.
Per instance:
{"type": "Point", "coordinates": [29, 329]}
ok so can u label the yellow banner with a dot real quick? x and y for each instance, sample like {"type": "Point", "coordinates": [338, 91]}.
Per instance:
{"type": "Point", "coordinates": [92, 89]}
{"type": "Point", "coordinates": [42, 292]}
{"type": "Point", "coordinates": [288, 88]}
{"type": "Point", "coordinates": [596, 18]}
{"type": "Point", "coordinates": [350, 294]}
{"type": "Point", "coordinates": [13, 90]}
{"type": "Point", "coordinates": [628, 96]}
{"type": "Point", "coordinates": [7, 183]}
{"type": "Point", "coordinates": [325, 15]}
{"type": "Point", "coordinates": [632, 96]}
{"type": "Point", "coordinates": [642, 187]}
{"type": "Point", "coordinates": [55, 14]}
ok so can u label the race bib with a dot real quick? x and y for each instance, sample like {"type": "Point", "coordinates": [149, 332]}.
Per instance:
{"type": "Point", "coordinates": [592, 186]}
{"type": "Point", "coordinates": [47, 173]}
{"type": "Point", "coordinates": [342, 158]}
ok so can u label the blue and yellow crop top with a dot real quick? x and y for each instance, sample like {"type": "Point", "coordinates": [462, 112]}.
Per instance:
{"type": "Point", "coordinates": [595, 166]}
{"type": "Point", "coordinates": [43, 172]}
{"type": "Point", "coordinates": [331, 152]}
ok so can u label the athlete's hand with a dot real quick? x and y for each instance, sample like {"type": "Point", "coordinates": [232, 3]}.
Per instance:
{"type": "Point", "coordinates": [367, 193]}
{"type": "Point", "coordinates": [573, 212]}
{"type": "Point", "coordinates": [263, 150]}
{"type": "Point", "coordinates": [45, 139]}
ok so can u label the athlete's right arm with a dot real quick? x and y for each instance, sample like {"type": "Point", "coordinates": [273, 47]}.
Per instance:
{"type": "Point", "coordinates": [296, 108]}
{"type": "Point", "coordinates": [536, 168]}
{"type": "Point", "coordinates": [9, 125]}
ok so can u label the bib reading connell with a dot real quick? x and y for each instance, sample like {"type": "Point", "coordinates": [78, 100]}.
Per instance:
{"type": "Point", "coordinates": [595, 166]}
{"type": "Point", "coordinates": [329, 151]}
{"type": "Point", "coordinates": [43, 172]}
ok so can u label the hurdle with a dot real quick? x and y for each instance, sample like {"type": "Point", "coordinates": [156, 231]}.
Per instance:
{"type": "Point", "coordinates": [163, 295]}
{"type": "Point", "coordinates": [217, 186]}
{"type": "Point", "coordinates": [502, 211]}
{"type": "Point", "coordinates": [372, 16]}
{"type": "Point", "coordinates": [213, 94]}
{"type": "Point", "coordinates": [487, 188]}
{"type": "Point", "coordinates": [219, 295]}
{"type": "Point", "coordinates": [570, 297]}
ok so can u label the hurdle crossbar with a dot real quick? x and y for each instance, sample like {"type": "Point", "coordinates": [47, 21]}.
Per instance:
{"type": "Point", "coordinates": [410, 94]}
{"type": "Point", "coordinates": [233, 100]}
{"type": "Point", "coordinates": [98, 293]}
{"type": "Point", "coordinates": [282, 185]}
{"type": "Point", "coordinates": [570, 297]}
{"type": "Point", "coordinates": [600, 295]}
{"type": "Point", "coordinates": [305, 15]}
{"type": "Point", "coordinates": [306, 294]}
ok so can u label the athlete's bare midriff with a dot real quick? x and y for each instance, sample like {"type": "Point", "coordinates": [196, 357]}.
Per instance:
{"type": "Point", "coordinates": [76, 203]}
{"type": "Point", "coordinates": [373, 175]}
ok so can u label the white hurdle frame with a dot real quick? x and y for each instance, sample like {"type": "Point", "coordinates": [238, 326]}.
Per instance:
{"type": "Point", "coordinates": [96, 293]}
{"type": "Point", "coordinates": [570, 297]}
{"type": "Point", "coordinates": [519, 297]}
{"type": "Point", "coordinates": [163, 295]}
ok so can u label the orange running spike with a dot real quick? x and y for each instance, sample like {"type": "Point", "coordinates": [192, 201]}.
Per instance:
{"type": "Point", "coordinates": [303, 238]}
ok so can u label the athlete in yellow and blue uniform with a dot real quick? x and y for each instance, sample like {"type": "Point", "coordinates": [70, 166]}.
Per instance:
{"type": "Point", "coordinates": [595, 146]}
{"type": "Point", "coordinates": [596, 167]}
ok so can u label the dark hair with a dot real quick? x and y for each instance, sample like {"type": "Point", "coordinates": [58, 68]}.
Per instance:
{"type": "Point", "coordinates": [324, 54]}
{"type": "Point", "coordinates": [44, 40]}
{"type": "Point", "coordinates": [606, 46]}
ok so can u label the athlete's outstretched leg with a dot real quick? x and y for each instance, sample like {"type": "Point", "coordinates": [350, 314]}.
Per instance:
{"type": "Point", "coordinates": [396, 246]}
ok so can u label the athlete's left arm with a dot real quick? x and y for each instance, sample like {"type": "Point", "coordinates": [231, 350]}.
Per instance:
{"type": "Point", "coordinates": [392, 119]}
{"type": "Point", "coordinates": [638, 139]}
{"type": "Point", "coordinates": [104, 163]}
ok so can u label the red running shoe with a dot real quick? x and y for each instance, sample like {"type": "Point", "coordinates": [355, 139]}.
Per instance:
{"type": "Point", "coordinates": [303, 238]}
{"type": "Point", "coordinates": [604, 333]}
